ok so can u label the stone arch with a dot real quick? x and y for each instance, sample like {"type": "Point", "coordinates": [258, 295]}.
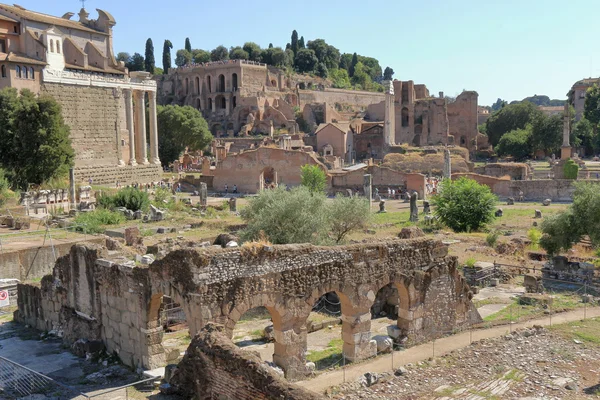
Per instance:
{"type": "Point", "coordinates": [221, 83]}
{"type": "Point", "coordinates": [187, 85]}
{"type": "Point", "coordinates": [273, 83]}
{"type": "Point", "coordinates": [221, 102]}
{"type": "Point", "coordinates": [267, 178]}
{"type": "Point", "coordinates": [405, 118]}
{"type": "Point", "coordinates": [210, 104]}
{"type": "Point", "coordinates": [234, 81]}
{"type": "Point", "coordinates": [208, 83]}
{"type": "Point", "coordinates": [198, 106]}
{"type": "Point", "coordinates": [463, 140]}
{"type": "Point", "coordinates": [302, 86]}
{"type": "Point", "coordinates": [197, 80]}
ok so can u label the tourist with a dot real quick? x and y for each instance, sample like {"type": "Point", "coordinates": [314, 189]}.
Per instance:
{"type": "Point", "coordinates": [226, 189]}
{"type": "Point", "coordinates": [234, 189]}
{"type": "Point", "coordinates": [90, 181]}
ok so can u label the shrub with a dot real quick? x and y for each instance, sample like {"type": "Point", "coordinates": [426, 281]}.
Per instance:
{"type": "Point", "coordinates": [492, 238]}
{"type": "Point", "coordinates": [347, 214]}
{"type": "Point", "coordinates": [313, 178]}
{"type": "Point", "coordinates": [132, 199]}
{"type": "Point", "coordinates": [464, 205]}
{"type": "Point", "coordinates": [105, 201]}
{"type": "Point", "coordinates": [571, 169]}
{"type": "Point", "coordinates": [93, 221]}
{"type": "Point", "coordinates": [161, 195]}
{"type": "Point", "coordinates": [470, 262]}
{"type": "Point", "coordinates": [534, 235]}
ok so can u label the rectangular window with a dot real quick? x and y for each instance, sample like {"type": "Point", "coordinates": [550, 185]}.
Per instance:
{"type": "Point", "coordinates": [2, 46]}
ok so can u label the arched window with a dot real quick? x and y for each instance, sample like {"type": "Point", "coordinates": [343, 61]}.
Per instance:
{"type": "Point", "coordinates": [405, 116]}
{"type": "Point", "coordinates": [234, 102]}
{"type": "Point", "coordinates": [221, 87]}
{"type": "Point", "coordinates": [223, 103]}
{"type": "Point", "coordinates": [187, 85]}
{"type": "Point", "coordinates": [58, 46]}
{"type": "Point", "coordinates": [51, 46]}
{"type": "Point", "coordinates": [197, 102]}
{"type": "Point", "coordinates": [18, 70]}
{"type": "Point", "coordinates": [4, 71]}
{"type": "Point", "coordinates": [31, 73]}
{"type": "Point", "coordinates": [198, 86]}
{"type": "Point", "coordinates": [208, 84]}
{"type": "Point", "coordinates": [234, 82]}
{"type": "Point", "coordinates": [209, 103]}
{"type": "Point", "coordinates": [25, 73]}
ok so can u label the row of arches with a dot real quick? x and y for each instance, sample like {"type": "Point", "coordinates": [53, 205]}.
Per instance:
{"type": "Point", "coordinates": [22, 72]}
{"type": "Point", "coordinates": [221, 86]}
{"type": "Point", "coordinates": [52, 46]}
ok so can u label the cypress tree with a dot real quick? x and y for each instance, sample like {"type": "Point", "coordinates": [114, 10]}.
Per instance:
{"type": "Point", "coordinates": [294, 42]}
{"type": "Point", "coordinates": [353, 64]}
{"type": "Point", "coordinates": [149, 63]}
{"type": "Point", "coordinates": [188, 45]}
{"type": "Point", "coordinates": [301, 43]}
{"type": "Point", "coordinates": [167, 56]}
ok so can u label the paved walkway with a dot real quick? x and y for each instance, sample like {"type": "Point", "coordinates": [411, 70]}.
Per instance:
{"type": "Point", "coordinates": [435, 348]}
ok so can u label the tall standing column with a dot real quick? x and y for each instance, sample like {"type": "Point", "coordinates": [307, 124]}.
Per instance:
{"type": "Point", "coordinates": [154, 159]}
{"type": "Point", "coordinates": [140, 116]}
{"type": "Point", "coordinates": [389, 135]}
{"type": "Point", "coordinates": [130, 129]}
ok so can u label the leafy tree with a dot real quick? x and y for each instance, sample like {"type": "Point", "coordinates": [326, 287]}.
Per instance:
{"type": "Point", "coordinates": [571, 169]}
{"type": "Point", "coordinates": [321, 70]}
{"type": "Point", "coordinates": [561, 231]}
{"type": "Point", "coordinates": [183, 57]}
{"type": "Point", "coordinates": [326, 54]}
{"type": "Point", "coordinates": [254, 51]}
{"type": "Point", "coordinates": [220, 53]}
{"type": "Point", "coordinates": [388, 73]}
{"type": "Point", "coordinates": [515, 143]}
{"type": "Point", "coordinates": [150, 62]}
{"type": "Point", "coordinates": [498, 104]}
{"type": "Point", "coordinates": [301, 44]}
{"type": "Point", "coordinates": [313, 178]}
{"type": "Point", "coordinates": [294, 216]}
{"type": "Point", "coordinates": [124, 56]}
{"type": "Point", "coordinates": [347, 214]}
{"type": "Point", "coordinates": [32, 128]}
{"type": "Point", "coordinates": [270, 45]}
{"type": "Point", "coordinates": [237, 53]}
{"type": "Point", "coordinates": [188, 45]}
{"type": "Point", "coordinates": [5, 192]}
{"type": "Point", "coordinates": [582, 135]}
{"type": "Point", "coordinates": [346, 61]}
{"type": "Point", "coordinates": [289, 58]}
{"type": "Point", "coordinates": [200, 56]}
{"type": "Point", "coordinates": [158, 71]}
{"type": "Point", "coordinates": [591, 110]}
{"type": "Point", "coordinates": [352, 66]}
{"type": "Point", "coordinates": [372, 67]}
{"type": "Point", "coordinates": [340, 79]}
{"type": "Point", "coordinates": [178, 128]}
{"type": "Point", "coordinates": [306, 60]}
{"type": "Point", "coordinates": [136, 63]}
{"type": "Point", "coordinates": [360, 77]}
{"type": "Point", "coordinates": [509, 118]}
{"type": "Point", "coordinates": [294, 43]}
{"type": "Point", "coordinates": [546, 133]}
{"type": "Point", "coordinates": [166, 59]}
{"type": "Point", "coordinates": [464, 205]}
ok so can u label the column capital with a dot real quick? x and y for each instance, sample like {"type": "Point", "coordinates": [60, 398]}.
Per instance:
{"type": "Point", "coordinates": [138, 94]}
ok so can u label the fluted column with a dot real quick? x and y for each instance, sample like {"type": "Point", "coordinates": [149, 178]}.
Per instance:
{"type": "Point", "coordinates": [140, 134]}
{"type": "Point", "coordinates": [129, 121]}
{"type": "Point", "coordinates": [153, 129]}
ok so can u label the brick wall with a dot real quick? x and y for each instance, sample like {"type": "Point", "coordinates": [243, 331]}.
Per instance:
{"type": "Point", "coordinates": [331, 96]}
{"type": "Point", "coordinates": [125, 174]}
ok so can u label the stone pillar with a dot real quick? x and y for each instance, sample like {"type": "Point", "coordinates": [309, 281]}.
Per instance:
{"type": "Point", "coordinates": [214, 105]}
{"type": "Point", "coordinates": [566, 151]}
{"type": "Point", "coordinates": [389, 134]}
{"type": "Point", "coordinates": [130, 128]}
{"type": "Point", "coordinates": [73, 201]}
{"type": "Point", "coordinates": [227, 106]}
{"type": "Point", "coordinates": [154, 159]}
{"type": "Point", "coordinates": [447, 165]}
{"type": "Point", "coordinates": [140, 116]}
{"type": "Point", "coordinates": [290, 349]}
{"type": "Point", "coordinates": [368, 188]}
{"type": "Point", "coordinates": [356, 333]}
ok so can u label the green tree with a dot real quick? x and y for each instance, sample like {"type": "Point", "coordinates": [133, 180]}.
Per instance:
{"type": "Point", "coordinates": [346, 61]}
{"type": "Point", "coordinates": [200, 56]}
{"type": "Point", "coordinates": [294, 43]}
{"type": "Point", "coordinates": [313, 178]}
{"type": "Point", "coordinates": [220, 53]}
{"type": "Point", "coordinates": [582, 135]}
{"type": "Point", "coordinates": [294, 216]}
{"type": "Point", "coordinates": [387, 74]}
{"type": "Point", "coordinates": [149, 63]}
{"type": "Point", "coordinates": [498, 104]}
{"type": "Point", "coordinates": [136, 63]}
{"type": "Point", "coordinates": [326, 54]}
{"type": "Point", "coordinates": [352, 65]}
{"type": "Point", "coordinates": [372, 67]}
{"type": "Point", "coordinates": [124, 56]}
{"type": "Point", "coordinates": [339, 78]}
{"type": "Point", "coordinates": [509, 118]}
{"type": "Point", "coordinates": [183, 57]}
{"type": "Point", "coordinates": [347, 214]}
{"type": "Point", "coordinates": [321, 70]}
{"type": "Point", "coordinates": [254, 51]}
{"type": "Point", "coordinates": [166, 59]}
{"type": "Point", "coordinates": [270, 45]}
{"type": "Point", "coordinates": [571, 169]}
{"type": "Point", "coordinates": [464, 205]}
{"type": "Point", "coordinates": [515, 143]}
{"type": "Point", "coordinates": [32, 128]}
{"type": "Point", "coordinates": [178, 128]}
{"type": "Point", "coordinates": [305, 61]}
{"type": "Point", "coordinates": [301, 43]}
{"type": "Point", "coordinates": [561, 231]}
{"type": "Point", "coordinates": [591, 110]}
{"type": "Point", "coordinates": [546, 133]}
{"type": "Point", "coordinates": [188, 45]}
{"type": "Point", "coordinates": [237, 53]}
{"type": "Point", "coordinates": [5, 192]}
{"type": "Point", "coordinates": [360, 77]}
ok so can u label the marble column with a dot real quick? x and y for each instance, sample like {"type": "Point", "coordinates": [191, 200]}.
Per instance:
{"type": "Point", "coordinates": [154, 159]}
{"type": "Point", "coordinates": [130, 129]}
{"type": "Point", "coordinates": [140, 134]}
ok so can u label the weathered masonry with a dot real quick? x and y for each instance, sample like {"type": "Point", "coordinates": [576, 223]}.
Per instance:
{"type": "Point", "coordinates": [88, 296]}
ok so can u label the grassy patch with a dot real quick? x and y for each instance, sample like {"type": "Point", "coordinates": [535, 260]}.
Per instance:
{"type": "Point", "coordinates": [328, 357]}
{"type": "Point", "coordinates": [587, 331]}
{"type": "Point", "coordinates": [490, 300]}
{"type": "Point", "coordinates": [513, 375]}
{"type": "Point", "coordinates": [521, 312]}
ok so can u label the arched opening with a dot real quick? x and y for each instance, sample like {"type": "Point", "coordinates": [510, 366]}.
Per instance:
{"type": "Point", "coordinates": [31, 73]}
{"type": "Point", "coordinates": [198, 86]}
{"type": "Point", "coordinates": [230, 126]}
{"type": "Point", "coordinates": [210, 105]}
{"type": "Point", "coordinates": [175, 330]}
{"type": "Point", "coordinates": [268, 178]}
{"type": "Point", "coordinates": [325, 344]}
{"type": "Point", "coordinates": [234, 81]}
{"type": "Point", "coordinates": [302, 86]}
{"type": "Point", "coordinates": [254, 329]}
{"type": "Point", "coordinates": [25, 73]}
{"type": "Point", "coordinates": [386, 303]}
{"type": "Point", "coordinates": [234, 102]}
{"type": "Point", "coordinates": [208, 84]}
{"type": "Point", "coordinates": [221, 103]}
{"type": "Point", "coordinates": [463, 140]}
{"type": "Point", "coordinates": [198, 106]}
{"type": "Point", "coordinates": [417, 140]}
{"type": "Point", "coordinates": [18, 71]}
{"type": "Point", "coordinates": [221, 85]}
{"type": "Point", "coordinates": [4, 71]}
{"type": "Point", "coordinates": [404, 116]}
{"type": "Point", "coordinates": [273, 83]}
{"type": "Point", "coordinates": [389, 312]}
{"type": "Point", "coordinates": [217, 129]}
{"type": "Point", "coordinates": [58, 47]}
{"type": "Point", "coordinates": [187, 85]}
{"type": "Point", "coordinates": [51, 46]}
{"type": "Point", "coordinates": [418, 129]}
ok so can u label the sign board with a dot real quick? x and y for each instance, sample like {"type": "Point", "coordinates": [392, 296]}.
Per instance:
{"type": "Point", "coordinates": [4, 302]}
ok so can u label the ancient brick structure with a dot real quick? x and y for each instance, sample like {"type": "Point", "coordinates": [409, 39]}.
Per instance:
{"type": "Point", "coordinates": [74, 62]}
{"type": "Point", "coordinates": [462, 120]}
{"type": "Point", "coordinates": [213, 367]}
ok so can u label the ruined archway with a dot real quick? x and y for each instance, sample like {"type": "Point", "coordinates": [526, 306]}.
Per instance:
{"type": "Point", "coordinates": [221, 84]}
{"type": "Point", "coordinates": [268, 178]}
{"type": "Point", "coordinates": [210, 104]}
{"type": "Point", "coordinates": [187, 85]}
{"type": "Point", "coordinates": [197, 85]}
{"type": "Point", "coordinates": [198, 107]}
{"type": "Point", "coordinates": [208, 84]}
{"type": "Point", "coordinates": [220, 102]}
{"type": "Point", "coordinates": [234, 81]}
{"type": "Point", "coordinates": [405, 118]}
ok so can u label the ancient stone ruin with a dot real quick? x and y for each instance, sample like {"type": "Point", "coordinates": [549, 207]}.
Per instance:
{"type": "Point", "coordinates": [91, 297]}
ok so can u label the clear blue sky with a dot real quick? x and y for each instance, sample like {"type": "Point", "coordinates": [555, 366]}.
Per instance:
{"type": "Point", "coordinates": [500, 48]}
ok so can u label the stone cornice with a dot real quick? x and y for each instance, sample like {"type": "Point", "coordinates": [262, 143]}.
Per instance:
{"type": "Point", "coordinates": [96, 80]}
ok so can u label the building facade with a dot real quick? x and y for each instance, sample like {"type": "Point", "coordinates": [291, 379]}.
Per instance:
{"type": "Point", "coordinates": [73, 61]}
{"type": "Point", "coordinates": [577, 95]}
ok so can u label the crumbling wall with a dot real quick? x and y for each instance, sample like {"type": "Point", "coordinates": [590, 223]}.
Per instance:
{"type": "Point", "coordinates": [381, 177]}
{"type": "Point", "coordinates": [355, 98]}
{"type": "Point", "coordinates": [462, 119]}
{"type": "Point", "coordinates": [213, 367]}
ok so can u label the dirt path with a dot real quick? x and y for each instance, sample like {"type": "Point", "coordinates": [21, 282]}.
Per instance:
{"type": "Point", "coordinates": [440, 346]}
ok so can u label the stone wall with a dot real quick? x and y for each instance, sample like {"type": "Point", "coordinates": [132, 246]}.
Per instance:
{"type": "Point", "coordinates": [125, 174]}
{"type": "Point", "coordinates": [213, 367]}
{"type": "Point", "coordinates": [356, 98]}
{"type": "Point", "coordinates": [499, 186]}
{"type": "Point", "coordinates": [462, 119]}
{"type": "Point", "coordinates": [382, 178]}
{"type": "Point", "coordinates": [92, 113]}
